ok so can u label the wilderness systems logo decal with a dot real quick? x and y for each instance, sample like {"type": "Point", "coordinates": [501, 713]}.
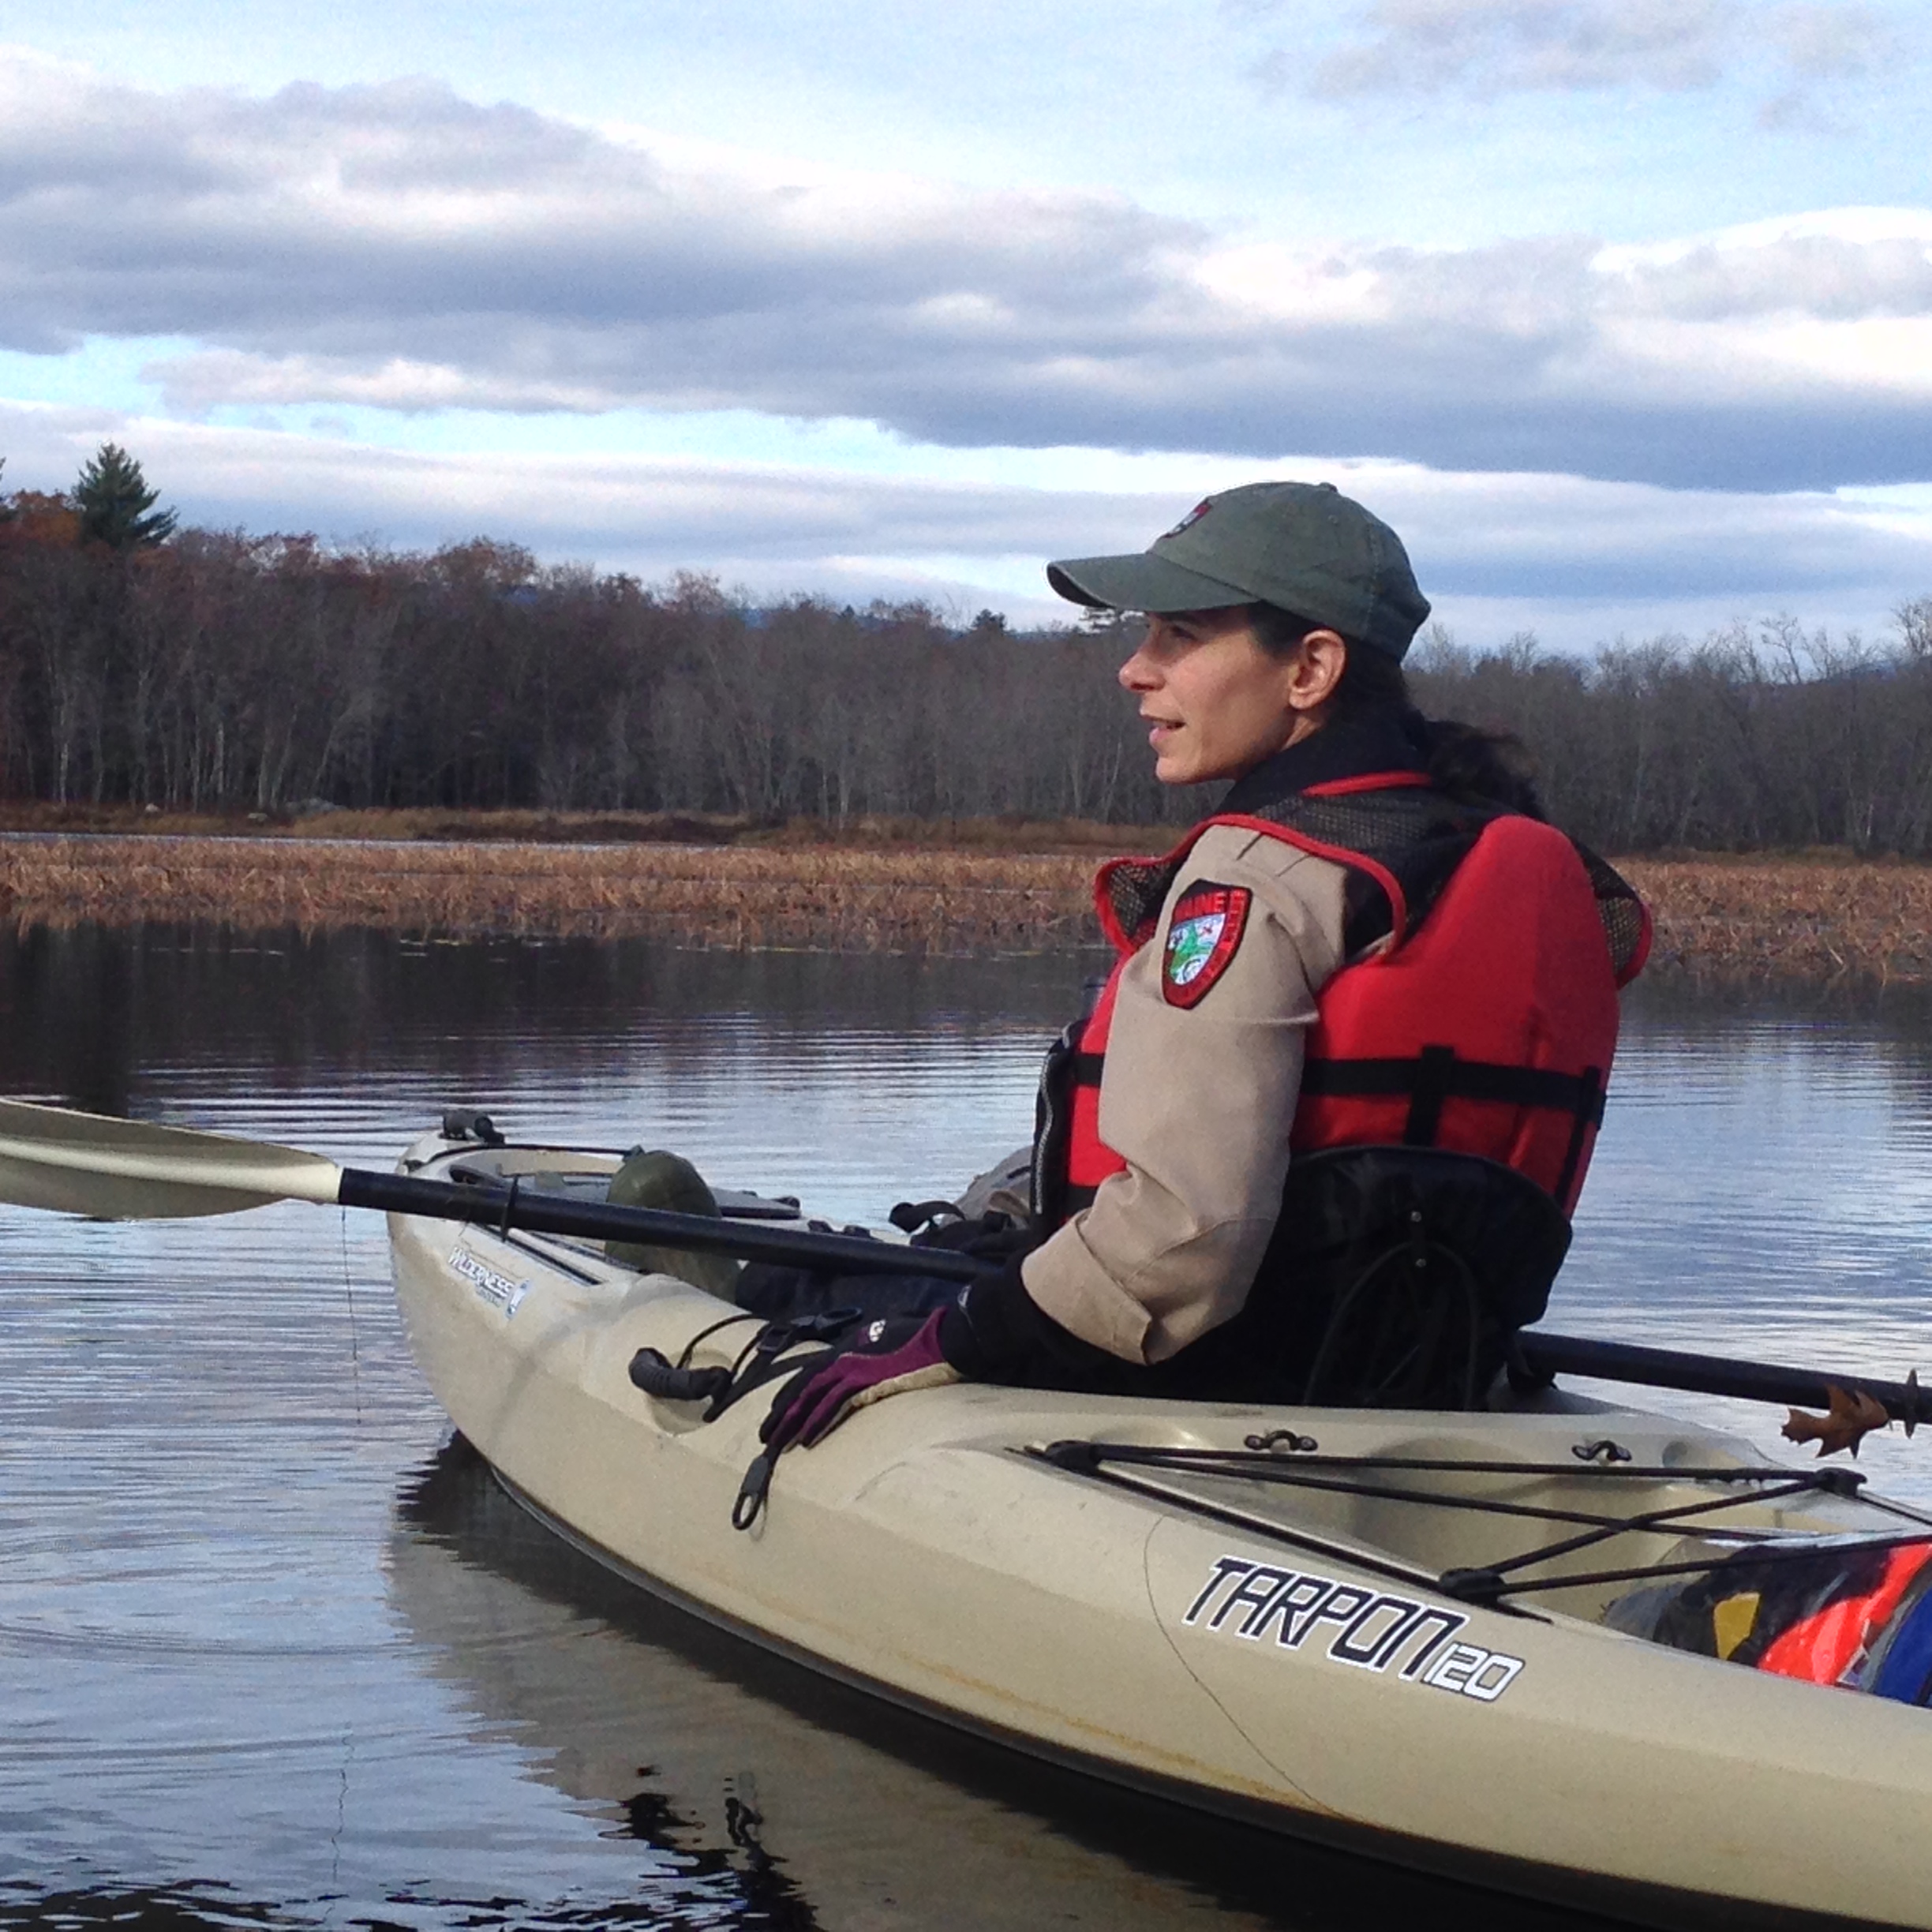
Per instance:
{"type": "Point", "coordinates": [1206, 926]}
{"type": "Point", "coordinates": [499, 1291]}
{"type": "Point", "coordinates": [1368, 1629]}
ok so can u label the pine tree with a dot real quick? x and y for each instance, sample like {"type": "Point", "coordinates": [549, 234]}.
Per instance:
{"type": "Point", "coordinates": [116, 505]}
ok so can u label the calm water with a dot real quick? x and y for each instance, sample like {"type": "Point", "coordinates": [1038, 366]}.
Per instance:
{"type": "Point", "coordinates": [270, 1653]}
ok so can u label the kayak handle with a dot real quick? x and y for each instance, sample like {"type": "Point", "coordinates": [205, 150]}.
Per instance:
{"type": "Point", "coordinates": [651, 1372]}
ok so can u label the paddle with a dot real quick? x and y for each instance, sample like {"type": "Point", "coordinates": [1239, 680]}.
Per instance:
{"type": "Point", "coordinates": [1721, 1375]}
{"type": "Point", "coordinates": [120, 1170]}
{"type": "Point", "coordinates": [89, 1164]}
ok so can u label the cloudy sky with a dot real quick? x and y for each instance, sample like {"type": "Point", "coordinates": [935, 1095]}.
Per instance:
{"type": "Point", "coordinates": [1620, 310]}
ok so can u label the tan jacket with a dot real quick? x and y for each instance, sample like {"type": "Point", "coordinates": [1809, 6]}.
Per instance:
{"type": "Point", "coordinates": [1199, 1102]}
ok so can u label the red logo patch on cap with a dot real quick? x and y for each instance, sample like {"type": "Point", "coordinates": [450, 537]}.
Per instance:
{"type": "Point", "coordinates": [1192, 517]}
{"type": "Point", "coordinates": [1202, 936]}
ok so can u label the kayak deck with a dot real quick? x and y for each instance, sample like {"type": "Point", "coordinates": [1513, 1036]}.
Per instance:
{"type": "Point", "coordinates": [1611, 1520]}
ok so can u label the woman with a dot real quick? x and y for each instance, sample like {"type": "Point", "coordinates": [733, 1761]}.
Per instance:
{"type": "Point", "coordinates": [1374, 943]}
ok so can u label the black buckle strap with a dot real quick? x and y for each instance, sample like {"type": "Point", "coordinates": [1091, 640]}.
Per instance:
{"type": "Point", "coordinates": [1434, 1070]}
{"type": "Point", "coordinates": [1585, 1119]}
{"type": "Point", "coordinates": [1437, 1074]}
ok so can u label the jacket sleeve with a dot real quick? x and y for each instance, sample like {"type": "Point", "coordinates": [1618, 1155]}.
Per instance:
{"type": "Point", "coordinates": [1199, 1101]}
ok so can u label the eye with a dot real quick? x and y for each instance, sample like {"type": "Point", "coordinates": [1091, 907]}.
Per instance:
{"type": "Point", "coordinates": [1171, 637]}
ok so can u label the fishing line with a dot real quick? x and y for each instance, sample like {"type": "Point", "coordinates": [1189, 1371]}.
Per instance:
{"type": "Point", "coordinates": [355, 1352]}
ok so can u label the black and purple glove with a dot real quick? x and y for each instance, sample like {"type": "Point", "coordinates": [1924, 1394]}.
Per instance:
{"type": "Point", "coordinates": [818, 1400]}
{"type": "Point", "coordinates": [993, 1333]}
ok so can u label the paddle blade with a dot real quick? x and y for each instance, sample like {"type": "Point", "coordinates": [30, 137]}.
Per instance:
{"type": "Point", "coordinates": [119, 1169]}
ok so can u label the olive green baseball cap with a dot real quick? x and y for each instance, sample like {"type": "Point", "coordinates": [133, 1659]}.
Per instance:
{"type": "Point", "coordinates": [1302, 547]}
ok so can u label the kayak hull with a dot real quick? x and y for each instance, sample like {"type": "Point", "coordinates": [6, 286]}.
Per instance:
{"type": "Point", "coordinates": [1291, 1666]}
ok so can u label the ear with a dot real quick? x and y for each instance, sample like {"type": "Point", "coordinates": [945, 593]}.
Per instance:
{"type": "Point", "coordinates": [1318, 664]}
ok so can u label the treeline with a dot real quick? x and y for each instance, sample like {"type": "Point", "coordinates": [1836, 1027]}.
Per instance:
{"type": "Point", "coordinates": [221, 671]}
{"type": "Point", "coordinates": [1764, 735]}
{"type": "Point", "coordinates": [214, 671]}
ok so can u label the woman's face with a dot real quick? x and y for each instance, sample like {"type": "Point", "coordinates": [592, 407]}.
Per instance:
{"type": "Point", "coordinates": [1216, 703]}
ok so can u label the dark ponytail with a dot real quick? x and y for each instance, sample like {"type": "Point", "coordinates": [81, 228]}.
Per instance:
{"type": "Point", "coordinates": [1478, 766]}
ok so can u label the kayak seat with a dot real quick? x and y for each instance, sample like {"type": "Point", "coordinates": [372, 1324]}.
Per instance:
{"type": "Point", "coordinates": [655, 1177]}
{"type": "Point", "coordinates": [1395, 1278]}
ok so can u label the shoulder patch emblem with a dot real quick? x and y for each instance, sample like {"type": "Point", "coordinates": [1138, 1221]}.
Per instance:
{"type": "Point", "coordinates": [1206, 926]}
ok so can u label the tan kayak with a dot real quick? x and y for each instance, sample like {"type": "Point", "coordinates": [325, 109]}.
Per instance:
{"type": "Point", "coordinates": [1335, 1623]}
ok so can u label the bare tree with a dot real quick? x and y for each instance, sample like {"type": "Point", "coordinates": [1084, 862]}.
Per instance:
{"type": "Point", "coordinates": [223, 671]}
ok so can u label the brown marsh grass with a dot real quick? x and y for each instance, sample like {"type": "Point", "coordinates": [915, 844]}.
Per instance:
{"type": "Point", "coordinates": [1811, 917]}
{"type": "Point", "coordinates": [829, 898]}
{"type": "Point", "coordinates": [1816, 917]}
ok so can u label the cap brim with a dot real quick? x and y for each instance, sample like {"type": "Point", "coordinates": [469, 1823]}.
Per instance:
{"type": "Point", "coordinates": [1143, 582]}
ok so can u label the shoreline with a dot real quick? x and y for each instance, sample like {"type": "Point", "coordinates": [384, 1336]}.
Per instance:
{"type": "Point", "coordinates": [818, 897]}
{"type": "Point", "coordinates": [1814, 918]}
{"type": "Point", "coordinates": [456, 825]}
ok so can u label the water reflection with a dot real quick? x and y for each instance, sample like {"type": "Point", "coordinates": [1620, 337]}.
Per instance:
{"type": "Point", "coordinates": [863, 1074]}
{"type": "Point", "coordinates": [246, 1684]}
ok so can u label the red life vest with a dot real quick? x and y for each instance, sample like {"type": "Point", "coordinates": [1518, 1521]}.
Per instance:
{"type": "Point", "coordinates": [1486, 1026]}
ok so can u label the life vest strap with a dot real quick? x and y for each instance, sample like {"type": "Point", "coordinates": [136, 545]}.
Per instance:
{"type": "Point", "coordinates": [1435, 1075]}
{"type": "Point", "coordinates": [1580, 1123]}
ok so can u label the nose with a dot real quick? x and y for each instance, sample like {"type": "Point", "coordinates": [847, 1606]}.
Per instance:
{"type": "Point", "coordinates": [1139, 673]}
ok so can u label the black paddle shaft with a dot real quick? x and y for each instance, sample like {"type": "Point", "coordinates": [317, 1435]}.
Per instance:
{"type": "Point", "coordinates": [1544, 1354]}
{"type": "Point", "coordinates": [1715, 1375]}
{"type": "Point", "coordinates": [506, 1207]}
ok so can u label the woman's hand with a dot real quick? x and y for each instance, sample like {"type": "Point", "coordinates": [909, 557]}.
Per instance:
{"type": "Point", "coordinates": [814, 1403]}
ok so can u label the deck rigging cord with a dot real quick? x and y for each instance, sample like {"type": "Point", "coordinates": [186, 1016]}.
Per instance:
{"type": "Point", "coordinates": [1490, 1584]}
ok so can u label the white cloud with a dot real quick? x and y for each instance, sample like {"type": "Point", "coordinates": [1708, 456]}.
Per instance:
{"type": "Point", "coordinates": [1512, 46]}
{"type": "Point", "coordinates": [1577, 560]}
{"type": "Point", "coordinates": [397, 247]}
{"type": "Point", "coordinates": [1487, 47]}
{"type": "Point", "coordinates": [1822, 42]}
